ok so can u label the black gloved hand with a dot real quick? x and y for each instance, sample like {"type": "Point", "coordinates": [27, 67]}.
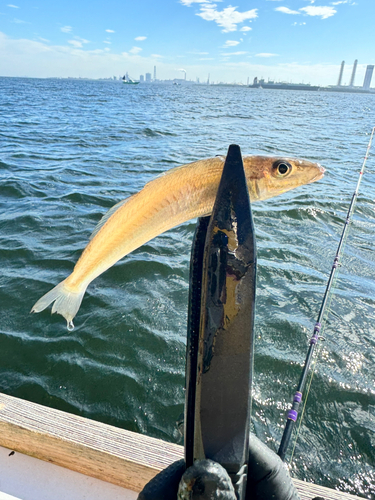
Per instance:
{"type": "Point", "coordinates": [267, 479]}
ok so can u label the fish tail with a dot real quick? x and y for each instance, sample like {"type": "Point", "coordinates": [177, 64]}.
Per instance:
{"type": "Point", "coordinates": [65, 302]}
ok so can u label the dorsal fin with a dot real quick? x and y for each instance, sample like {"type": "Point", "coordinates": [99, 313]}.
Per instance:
{"type": "Point", "coordinates": [106, 216]}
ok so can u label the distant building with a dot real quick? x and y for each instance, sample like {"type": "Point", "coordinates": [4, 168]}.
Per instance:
{"type": "Point", "coordinates": [154, 73]}
{"type": "Point", "coordinates": [341, 72]}
{"type": "Point", "coordinates": [141, 78]}
{"type": "Point", "coordinates": [148, 77]}
{"type": "Point", "coordinates": [368, 76]}
{"type": "Point", "coordinates": [351, 84]}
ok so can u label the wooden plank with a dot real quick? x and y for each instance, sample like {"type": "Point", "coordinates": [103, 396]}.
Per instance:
{"type": "Point", "coordinates": [98, 450]}
{"type": "Point", "coordinates": [115, 455]}
{"type": "Point", "coordinates": [308, 491]}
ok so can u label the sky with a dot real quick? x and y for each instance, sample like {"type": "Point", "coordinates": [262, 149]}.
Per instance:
{"type": "Point", "coordinates": [228, 40]}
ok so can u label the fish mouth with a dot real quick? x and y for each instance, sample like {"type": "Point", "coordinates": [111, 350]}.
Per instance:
{"type": "Point", "coordinates": [318, 176]}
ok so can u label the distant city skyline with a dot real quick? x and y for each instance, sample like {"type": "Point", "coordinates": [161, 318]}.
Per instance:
{"type": "Point", "coordinates": [365, 84]}
{"type": "Point", "coordinates": [289, 40]}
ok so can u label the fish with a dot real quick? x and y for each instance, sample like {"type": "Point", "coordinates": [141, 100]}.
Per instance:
{"type": "Point", "coordinates": [178, 195]}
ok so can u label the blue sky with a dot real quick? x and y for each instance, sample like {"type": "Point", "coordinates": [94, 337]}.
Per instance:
{"type": "Point", "coordinates": [291, 40]}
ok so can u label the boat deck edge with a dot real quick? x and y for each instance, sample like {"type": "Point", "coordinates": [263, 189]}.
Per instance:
{"type": "Point", "coordinates": [108, 453]}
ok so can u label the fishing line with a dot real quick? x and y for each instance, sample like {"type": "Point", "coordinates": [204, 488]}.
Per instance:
{"type": "Point", "coordinates": [292, 415]}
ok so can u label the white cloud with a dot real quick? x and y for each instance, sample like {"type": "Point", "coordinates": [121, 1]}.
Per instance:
{"type": "Point", "coordinates": [312, 10]}
{"type": "Point", "coordinates": [266, 54]}
{"type": "Point", "coordinates": [285, 10]}
{"type": "Point", "coordinates": [78, 42]}
{"type": "Point", "coordinates": [19, 21]}
{"type": "Point", "coordinates": [20, 57]}
{"type": "Point", "coordinates": [239, 53]}
{"type": "Point", "coordinates": [106, 41]}
{"type": "Point", "coordinates": [13, 6]}
{"type": "Point", "coordinates": [75, 43]}
{"type": "Point", "coordinates": [246, 28]}
{"type": "Point", "coordinates": [135, 50]}
{"type": "Point", "coordinates": [228, 18]}
{"type": "Point", "coordinates": [110, 31]}
{"type": "Point", "coordinates": [323, 12]}
{"type": "Point", "coordinates": [189, 2]}
{"type": "Point", "coordinates": [140, 38]}
{"type": "Point", "coordinates": [66, 29]}
{"type": "Point", "coordinates": [230, 43]}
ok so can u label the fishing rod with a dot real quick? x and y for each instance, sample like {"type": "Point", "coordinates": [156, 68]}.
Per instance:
{"type": "Point", "coordinates": [293, 412]}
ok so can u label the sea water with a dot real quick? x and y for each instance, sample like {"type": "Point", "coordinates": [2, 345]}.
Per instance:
{"type": "Point", "coordinates": [70, 149]}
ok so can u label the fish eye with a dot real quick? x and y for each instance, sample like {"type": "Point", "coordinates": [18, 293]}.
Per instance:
{"type": "Point", "coordinates": [282, 168]}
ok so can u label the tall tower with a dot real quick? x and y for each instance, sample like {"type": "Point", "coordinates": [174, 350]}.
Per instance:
{"type": "Point", "coordinates": [351, 84]}
{"type": "Point", "coordinates": [341, 72]}
{"type": "Point", "coordinates": [368, 76]}
{"type": "Point", "coordinates": [154, 73]}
